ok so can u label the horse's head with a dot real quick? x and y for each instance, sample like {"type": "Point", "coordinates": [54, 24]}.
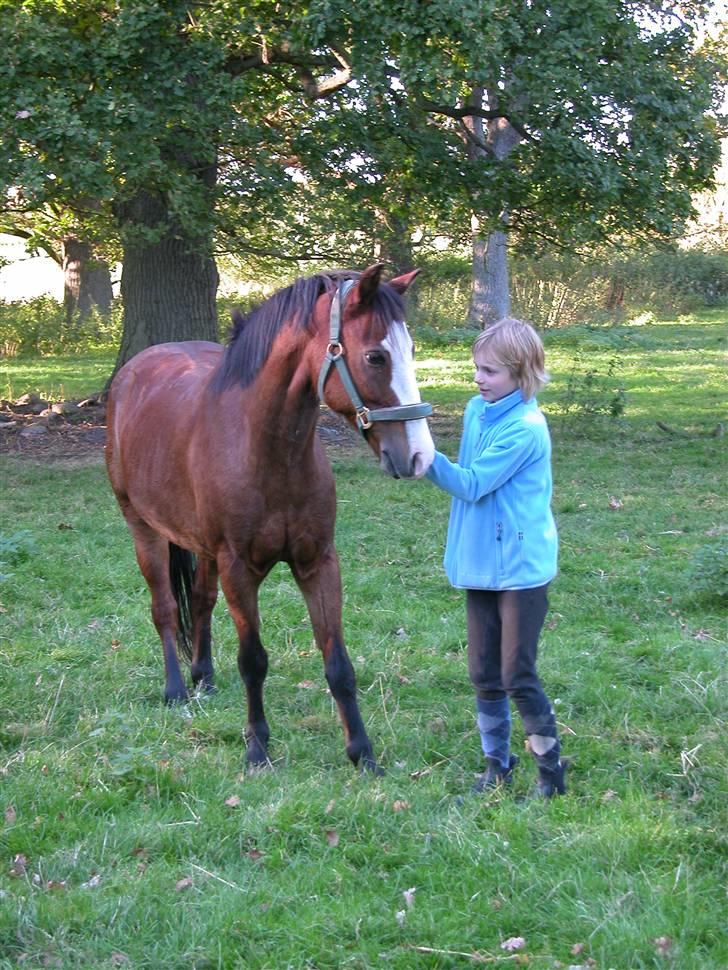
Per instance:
{"type": "Point", "coordinates": [366, 371]}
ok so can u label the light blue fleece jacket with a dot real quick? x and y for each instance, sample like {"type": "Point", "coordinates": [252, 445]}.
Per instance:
{"type": "Point", "coordinates": [501, 534]}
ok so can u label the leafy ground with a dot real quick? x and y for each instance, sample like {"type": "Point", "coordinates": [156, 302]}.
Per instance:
{"type": "Point", "coordinates": [134, 837]}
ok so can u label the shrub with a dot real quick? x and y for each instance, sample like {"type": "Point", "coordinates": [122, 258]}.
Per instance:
{"type": "Point", "coordinates": [14, 549]}
{"type": "Point", "coordinates": [707, 575]}
{"type": "Point", "coordinates": [38, 327]}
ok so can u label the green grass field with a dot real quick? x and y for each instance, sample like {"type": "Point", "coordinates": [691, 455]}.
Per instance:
{"type": "Point", "coordinates": [133, 836]}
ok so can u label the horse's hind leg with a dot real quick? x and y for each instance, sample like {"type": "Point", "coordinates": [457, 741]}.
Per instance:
{"type": "Point", "coordinates": [320, 583]}
{"type": "Point", "coordinates": [241, 592]}
{"type": "Point", "coordinates": [204, 597]}
{"type": "Point", "coordinates": [152, 552]}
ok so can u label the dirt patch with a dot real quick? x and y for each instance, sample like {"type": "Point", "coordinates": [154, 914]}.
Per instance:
{"type": "Point", "coordinates": [74, 432]}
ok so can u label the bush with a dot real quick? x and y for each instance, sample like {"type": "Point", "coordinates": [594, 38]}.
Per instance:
{"type": "Point", "coordinates": [38, 327]}
{"type": "Point", "coordinates": [14, 549]}
{"type": "Point", "coordinates": [708, 572]}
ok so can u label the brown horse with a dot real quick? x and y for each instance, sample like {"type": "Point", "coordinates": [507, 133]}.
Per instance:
{"type": "Point", "coordinates": [214, 459]}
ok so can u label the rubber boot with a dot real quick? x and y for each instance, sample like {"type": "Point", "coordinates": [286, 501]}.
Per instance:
{"type": "Point", "coordinates": [552, 781]}
{"type": "Point", "coordinates": [495, 775]}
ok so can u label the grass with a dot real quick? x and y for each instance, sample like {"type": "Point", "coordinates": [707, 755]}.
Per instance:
{"type": "Point", "coordinates": [133, 836]}
{"type": "Point", "coordinates": [57, 377]}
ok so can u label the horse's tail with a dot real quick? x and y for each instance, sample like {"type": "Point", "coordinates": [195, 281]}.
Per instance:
{"type": "Point", "coordinates": [182, 565]}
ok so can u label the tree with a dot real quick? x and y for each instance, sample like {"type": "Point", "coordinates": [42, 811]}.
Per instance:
{"type": "Point", "coordinates": [86, 276]}
{"type": "Point", "coordinates": [311, 131]}
{"type": "Point", "coordinates": [577, 126]}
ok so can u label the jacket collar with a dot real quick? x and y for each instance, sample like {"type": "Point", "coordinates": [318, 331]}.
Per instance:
{"type": "Point", "coordinates": [493, 410]}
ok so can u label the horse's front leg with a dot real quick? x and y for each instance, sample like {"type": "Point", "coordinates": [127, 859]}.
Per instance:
{"type": "Point", "coordinates": [320, 583]}
{"type": "Point", "coordinates": [240, 587]}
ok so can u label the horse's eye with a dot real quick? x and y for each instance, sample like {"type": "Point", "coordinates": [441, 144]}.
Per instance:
{"type": "Point", "coordinates": [376, 358]}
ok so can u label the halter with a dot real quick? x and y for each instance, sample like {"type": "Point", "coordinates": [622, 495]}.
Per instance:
{"type": "Point", "coordinates": [365, 417]}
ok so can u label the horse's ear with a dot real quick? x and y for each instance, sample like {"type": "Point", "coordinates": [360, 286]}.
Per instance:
{"type": "Point", "coordinates": [402, 283]}
{"type": "Point", "coordinates": [369, 283]}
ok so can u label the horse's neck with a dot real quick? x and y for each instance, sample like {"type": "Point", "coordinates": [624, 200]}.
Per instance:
{"type": "Point", "coordinates": [285, 406]}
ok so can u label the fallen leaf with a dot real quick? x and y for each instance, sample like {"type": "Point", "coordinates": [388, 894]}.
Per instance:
{"type": "Point", "coordinates": [513, 943]}
{"type": "Point", "coordinates": [19, 866]}
{"type": "Point", "coordinates": [183, 884]}
{"type": "Point", "coordinates": [118, 958]}
{"type": "Point", "coordinates": [663, 945]}
{"type": "Point", "coordinates": [115, 644]}
{"type": "Point", "coordinates": [330, 807]}
{"type": "Point", "coordinates": [255, 854]}
{"type": "Point", "coordinates": [608, 796]}
{"type": "Point", "coordinates": [55, 884]}
{"type": "Point", "coordinates": [332, 837]}
{"type": "Point", "coordinates": [409, 896]}
{"type": "Point", "coordinates": [400, 805]}
{"type": "Point", "coordinates": [615, 503]}
{"type": "Point", "coordinates": [577, 948]}
{"type": "Point", "coordinates": [10, 814]}
{"type": "Point", "coordinates": [306, 684]}
{"type": "Point", "coordinates": [233, 801]}
{"type": "Point", "coordinates": [93, 882]}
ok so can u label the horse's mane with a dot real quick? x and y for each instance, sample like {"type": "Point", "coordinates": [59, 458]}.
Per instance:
{"type": "Point", "coordinates": [251, 337]}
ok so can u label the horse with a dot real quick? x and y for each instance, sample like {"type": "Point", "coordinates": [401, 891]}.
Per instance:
{"type": "Point", "coordinates": [214, 459]}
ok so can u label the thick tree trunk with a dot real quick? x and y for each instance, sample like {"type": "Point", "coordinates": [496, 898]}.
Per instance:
{"type": "Point", "coordinates": [168, 286]}
{"type": "Point", "coordinates": [86, 282]}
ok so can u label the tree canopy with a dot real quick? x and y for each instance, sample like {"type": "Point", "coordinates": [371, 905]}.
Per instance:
{"type": "Point", "coordinates": [314, 129]}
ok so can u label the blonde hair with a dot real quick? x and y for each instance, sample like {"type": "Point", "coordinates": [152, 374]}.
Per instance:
{"type": "Point", "coordinates": [517, 346]}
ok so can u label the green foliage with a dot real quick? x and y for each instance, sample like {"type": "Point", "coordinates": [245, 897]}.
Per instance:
{"type": "Point", "coordinates": [14, 549]}
{"type": "Point", "coordinates": [38, 326]}
{"type": "Point", "coordinates": [707, 578]}
{"type": "Point", "coordinates": [557, 291]}
{"type": "Point", "coordinates": [334, 126]}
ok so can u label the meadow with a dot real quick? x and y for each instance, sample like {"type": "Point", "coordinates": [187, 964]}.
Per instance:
{"type": "Point", "coordinates": [132, 834]}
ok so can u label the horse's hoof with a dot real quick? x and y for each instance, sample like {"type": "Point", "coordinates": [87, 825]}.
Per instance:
{"type": "Point", "coordinates": [370, 767]}
{"type": "Point", "coordinates": [176, 697]}
{"type": "Point", "coordinates": [257, 756]}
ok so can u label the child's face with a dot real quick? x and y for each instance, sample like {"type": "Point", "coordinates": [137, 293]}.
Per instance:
{"type": "Point", "coordinates": [494, 380]}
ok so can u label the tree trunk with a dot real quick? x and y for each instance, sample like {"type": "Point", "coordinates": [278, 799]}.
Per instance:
{"type": "Point", "coordinates": [86, 282]}
{"type": "Point", "coordinates": [168, 286]}
{"type": "Point", "coordinates": [394, 247]}
{"type": "Point", "coordinates": [490, 298]}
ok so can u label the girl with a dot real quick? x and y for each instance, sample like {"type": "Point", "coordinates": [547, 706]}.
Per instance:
{"type": "Point", "coordinates": [502, 547]}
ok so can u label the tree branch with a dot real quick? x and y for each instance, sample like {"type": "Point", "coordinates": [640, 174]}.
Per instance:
{"type": "Point", "coordinates": [266, 58]}
{"type": "Point", "coordinates": [475, 111]}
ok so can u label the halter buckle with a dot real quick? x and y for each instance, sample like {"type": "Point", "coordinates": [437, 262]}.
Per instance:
{"type": "Point", "coordinates": [335, 349]}
{"type": "Point", "coordinates": [362, 419]}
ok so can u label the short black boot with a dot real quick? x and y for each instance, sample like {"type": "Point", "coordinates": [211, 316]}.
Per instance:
{"type": "Point", "coordinates": [495, 775]}
{"type": "Point", "coordinates": [552, 781]}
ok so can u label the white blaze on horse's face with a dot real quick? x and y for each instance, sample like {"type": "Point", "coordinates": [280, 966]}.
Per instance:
{"type": "Point", "coordinates": [404, 384]}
